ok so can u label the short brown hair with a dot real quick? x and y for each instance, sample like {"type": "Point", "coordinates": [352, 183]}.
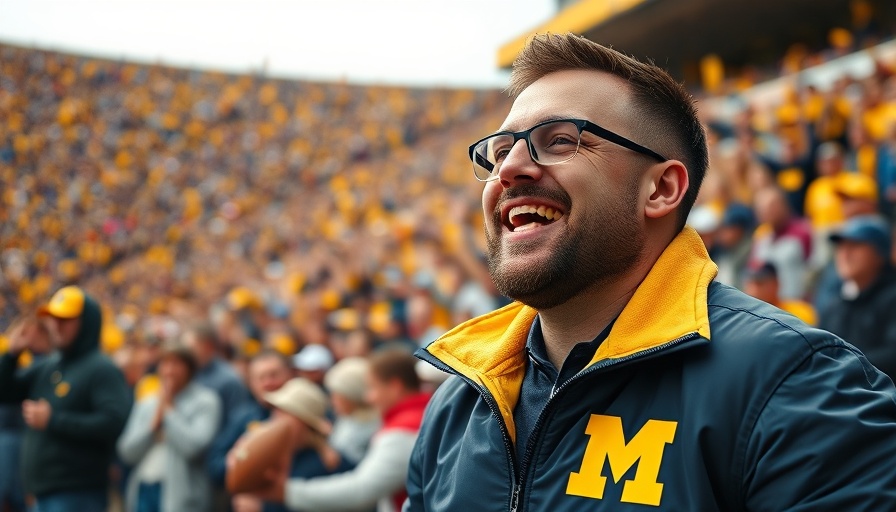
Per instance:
{"type": "Point", "coordinates": [182, 353]}
{"type": "Point", "coordinates": [205, 333]}
{"type": "Point", "coordinates": [664, 110]}
{"type": "Point", "coordinates": [270, 353]}
{"type": "Point", "coordinates": [395, 363]}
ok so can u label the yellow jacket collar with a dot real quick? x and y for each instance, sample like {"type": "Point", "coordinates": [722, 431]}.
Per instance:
{"type": "Point", "coordinates": [670, 303]}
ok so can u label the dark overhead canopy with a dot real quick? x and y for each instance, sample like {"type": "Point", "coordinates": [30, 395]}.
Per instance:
{"type": "Point", "coordinates": [676, 34]}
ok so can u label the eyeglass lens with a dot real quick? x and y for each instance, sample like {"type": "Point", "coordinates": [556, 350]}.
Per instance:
{"type": "Point", "coordinates": [550, 143]}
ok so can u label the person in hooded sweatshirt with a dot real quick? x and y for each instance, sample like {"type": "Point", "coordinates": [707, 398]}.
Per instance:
{"type": "Point", "coordinates": [75, 404]}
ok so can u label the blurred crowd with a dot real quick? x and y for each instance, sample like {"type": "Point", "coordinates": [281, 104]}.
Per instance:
{"type": "Point", "coordinates": [273, 229]}
{"type": "Point", "coordinates": [77, 434]}
{"type": "Point", "coordinates": [163, 190]}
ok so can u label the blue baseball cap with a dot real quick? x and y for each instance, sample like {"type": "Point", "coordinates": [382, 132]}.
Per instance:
{"type": "Point", "coordinates": [741, 215]}
{"type": "Point", "coordinates": [869, 229]}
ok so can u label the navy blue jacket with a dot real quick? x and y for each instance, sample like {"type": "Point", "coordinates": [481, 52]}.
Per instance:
{"type": "Point", "coordinates": [701, 398]}
{"type": "Point", "coordinates": [249, 414]}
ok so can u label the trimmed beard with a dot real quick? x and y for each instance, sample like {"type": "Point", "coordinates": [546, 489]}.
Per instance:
{"type": "Point", "coordinates": [605, 245]}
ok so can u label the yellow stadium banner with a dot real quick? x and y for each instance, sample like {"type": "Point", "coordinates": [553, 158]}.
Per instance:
{"type": "Point", "coordinates": [577, 18]}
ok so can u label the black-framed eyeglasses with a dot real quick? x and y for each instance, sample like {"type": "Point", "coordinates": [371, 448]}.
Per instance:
{"type": "Point", "coordinates": [550, 143]}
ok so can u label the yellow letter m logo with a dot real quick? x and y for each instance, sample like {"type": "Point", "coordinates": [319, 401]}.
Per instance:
{"type": "Point", "coordinates": [608, 443]}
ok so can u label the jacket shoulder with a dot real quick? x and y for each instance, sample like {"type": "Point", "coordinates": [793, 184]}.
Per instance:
{"type": "Point", "coordinates": [447, 393]}
{"type": "Point", "coordinates": [452, 397]}
{"type": "Point", "coordinates": [198, 394]}
{"type": "Point", "coordinates": [736, 318]}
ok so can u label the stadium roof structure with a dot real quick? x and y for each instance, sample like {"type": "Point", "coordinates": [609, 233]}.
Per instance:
{"type": "Point", "coordinates": [676, 34]}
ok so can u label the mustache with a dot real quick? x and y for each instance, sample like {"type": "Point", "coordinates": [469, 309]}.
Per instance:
{"type": "Point", "coordinates": [558, 196]}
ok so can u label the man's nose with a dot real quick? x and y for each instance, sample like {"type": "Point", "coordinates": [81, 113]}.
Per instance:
{"type": "Point", "coordinates": [519, 166]}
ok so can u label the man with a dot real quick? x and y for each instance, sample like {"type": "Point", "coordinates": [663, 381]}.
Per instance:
{"type": "Point", "coordinates": [268, 371]}
{"type": "Point", "coordinates": [784, 239]}
{"type": "Point", "coordinates": [733, 242]}
{"type": "Point", "coordinates": [823, 205]}
{"type": "Point", "coordinates": [75, 404]}
{"type": "Point", "coordinates": [625, 378]}
{"type": "Point", "coordinates": [863, 315]}
{"type": "Point", "coordinates": [379, 479]}
{"type": "Point", "coordinates": [166, 439]}
{"type": "Point", "coordinates": [858, 197]}
{"type": "Point", "coordinates": [824, 208]}
{"type": "Point", "coordinates": [214, 373]}
{"type": "Point", "coordinates": [303, 405]}
{"type": "Point", "coordinates": [356, 421]}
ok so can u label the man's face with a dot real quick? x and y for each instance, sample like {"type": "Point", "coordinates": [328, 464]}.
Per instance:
{"type": "Point", "coordinates": [829, 166]}
{"type": "Point", "coordinates": [39, 340]}
{"type": "Point", "coordinates": [771, 207]}
{"type": "Point", "coordinates": [382, 394]}
{"type": "Point", "coordinates": [63, 331]}
{"type": "Point", "coordinates": [763, 288]}
{"type": "Point", "coordinates": [192, 342]}
{"type": "Point", "coordinates": [174, 373]}
{"type": "Point", "coordinates": [599, 233]}
{"type": "Point", "coordinates": [856, 261]}
{"type": "Point", "coordinates": [729, 236]}
{"type": "Point", "coordinates": [266, 375]}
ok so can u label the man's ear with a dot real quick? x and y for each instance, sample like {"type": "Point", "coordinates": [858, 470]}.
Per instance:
{"type": "Point", "coordinates": [668, 184]}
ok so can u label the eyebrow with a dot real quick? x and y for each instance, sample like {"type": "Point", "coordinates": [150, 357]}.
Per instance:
{"type": "Point", "coordinates": [552, 117]}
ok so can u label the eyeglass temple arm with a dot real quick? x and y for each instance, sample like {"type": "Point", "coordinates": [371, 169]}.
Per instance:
{"type": "Point", "coordinates": [622, 141]}
{"type": "Point", "coordinates": [482, 162]}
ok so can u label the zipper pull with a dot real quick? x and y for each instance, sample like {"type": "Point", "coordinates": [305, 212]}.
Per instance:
{"type": "Point", "coordinates": [515, 500]}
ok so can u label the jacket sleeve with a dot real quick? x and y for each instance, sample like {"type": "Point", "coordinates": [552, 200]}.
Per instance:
{"type": "Point", "coordinates": [216, 460]}
{"type": "Point", "coordinates": [137, 437]}
{"type": "Point", "coordinates": [381, 473]}
{"type": "Point", "coordinates": [14, 384]}
{"type": "Point", "coordinates": [883, 354]}
{"type": "Point", "coordinates": [414, 483]}
{"type": "Point", "coordinates": [825, 439]}
{"type": "Point", "coordinates": [191, 434]}
{"type": "Point", "coordinates": [234, 395]}
{"type": "Point", "coordinates": [110, 403]}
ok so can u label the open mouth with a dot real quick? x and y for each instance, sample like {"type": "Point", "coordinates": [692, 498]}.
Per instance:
{"type": "Point", "coordinates": [529, 216]}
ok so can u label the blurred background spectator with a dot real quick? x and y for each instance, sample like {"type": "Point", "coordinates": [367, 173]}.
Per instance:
{"type": "Point", "coordinates": [356, 421]}
{"type": "Point", "coordinates": [303, 405]}
{"type": "Point", "coordinates": [74, 404]}
{"type": "Point", "coordinates": [378, 481]}
{"type": "Point", "coordinates": [864, 310]}
{"type": "Point", "coordinates": [762, 282]}
{"type": "Point", "coordinates": [267, 372]}
{"type": "Point", "coordinates": [166, 438]}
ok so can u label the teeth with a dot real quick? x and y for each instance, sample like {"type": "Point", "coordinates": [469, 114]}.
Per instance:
{"type": "Point", "coordinates": [542, 211]}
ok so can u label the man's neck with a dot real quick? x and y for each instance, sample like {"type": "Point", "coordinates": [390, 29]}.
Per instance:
{"type": "Point", "coordinates": [586, 315]}
{"type": "Point", "coordinates": [869, 278]}
{"type": "Point", "coordinates": [205, 362]}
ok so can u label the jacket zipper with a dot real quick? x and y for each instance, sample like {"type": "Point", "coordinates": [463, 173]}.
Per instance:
{"type": "Point", "coordinates": [524, 469]}
{"type": "Point", "coordinates": [496, 412]}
